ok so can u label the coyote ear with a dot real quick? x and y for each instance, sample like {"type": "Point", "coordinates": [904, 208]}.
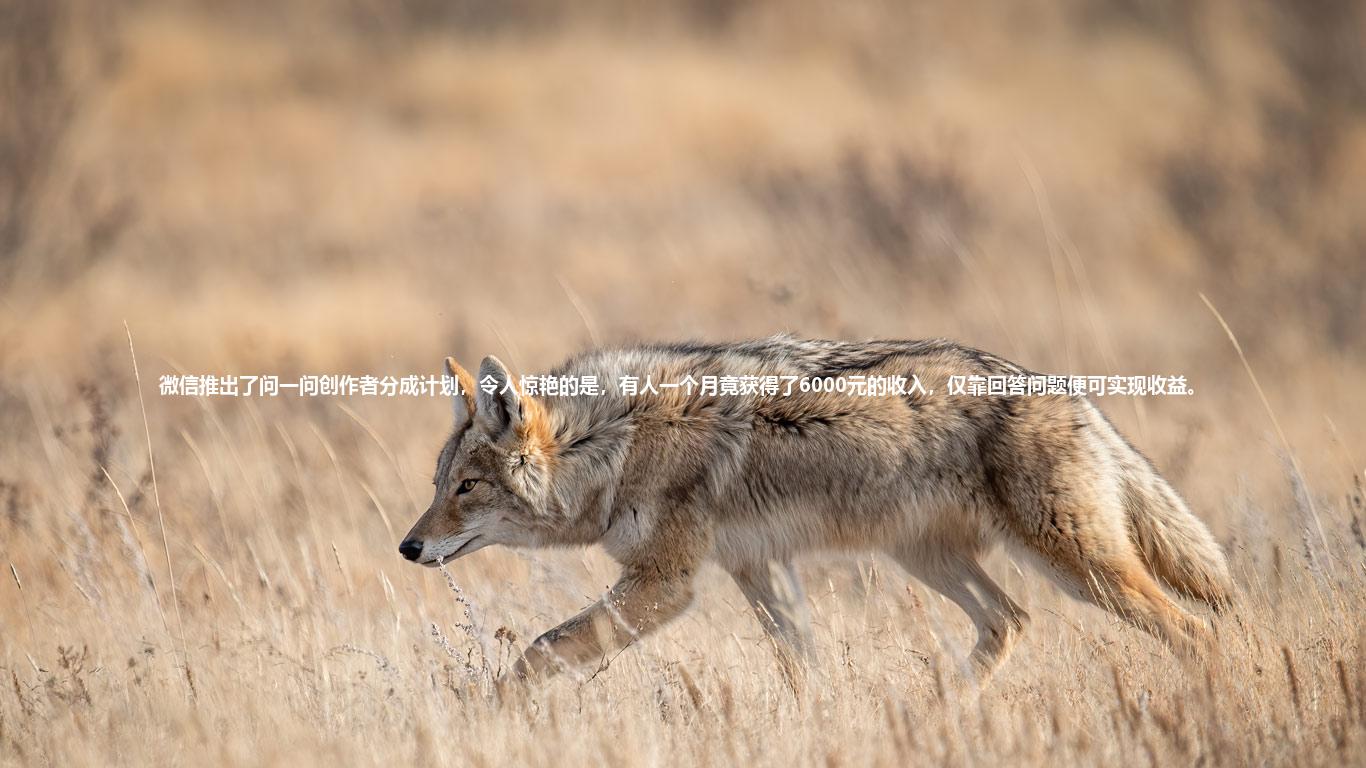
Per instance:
{"type": "Point", "coordinates": [498, 404]}
{"type": "Point", "coordinates": [463, 400]}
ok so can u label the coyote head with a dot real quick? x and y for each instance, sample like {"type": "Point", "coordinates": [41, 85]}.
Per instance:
{"type": "Point", "coordinates": [492, 474]}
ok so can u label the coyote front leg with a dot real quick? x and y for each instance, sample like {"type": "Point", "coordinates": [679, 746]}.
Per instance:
{"type": "Point", "coordinates": [644, 599]}
{"type": "Point", "coordinates": [775, 593]}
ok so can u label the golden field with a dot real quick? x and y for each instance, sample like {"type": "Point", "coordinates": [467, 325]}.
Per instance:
{"type": "Point", "coordinates": [365, 187]}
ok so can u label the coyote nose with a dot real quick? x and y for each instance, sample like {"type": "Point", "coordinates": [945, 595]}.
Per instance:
{"type": "Point", "coordinates": [410, 548]}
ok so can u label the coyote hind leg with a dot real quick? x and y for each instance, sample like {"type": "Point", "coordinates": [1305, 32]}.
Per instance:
{"type": "Point", "coordinates": [1114, 578]}
{"type": "Point", "coordinates": [999, 620]}
{"type": "Point", "coordinates": [1123, 587]}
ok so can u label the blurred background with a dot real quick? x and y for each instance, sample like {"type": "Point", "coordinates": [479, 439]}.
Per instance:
{"type": "Point", "coordinates": [365, 186]}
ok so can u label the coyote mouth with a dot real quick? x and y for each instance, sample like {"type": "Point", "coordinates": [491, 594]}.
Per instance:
{"type": "Point", "coordinates": [463, 549]}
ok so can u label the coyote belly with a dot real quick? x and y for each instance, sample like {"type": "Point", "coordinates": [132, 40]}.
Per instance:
{"type": "Point", "coordinates": [666, 480]}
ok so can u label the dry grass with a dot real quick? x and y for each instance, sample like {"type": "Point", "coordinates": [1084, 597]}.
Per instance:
{"type": "Point", "coordinates": [367, 187]}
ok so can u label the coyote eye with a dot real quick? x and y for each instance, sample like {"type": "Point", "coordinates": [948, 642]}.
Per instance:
{"type": "Point", "coordinates": [466, 486]}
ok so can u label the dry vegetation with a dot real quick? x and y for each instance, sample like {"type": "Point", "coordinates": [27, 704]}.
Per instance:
{"type": "Point", "coordinates": [367, 186]}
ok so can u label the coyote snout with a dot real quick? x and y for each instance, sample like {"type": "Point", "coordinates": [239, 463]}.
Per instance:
{"type": "Point", "coordinates": [442, 533]}
{"type": "Point", "coordinates": [429, 541]}
{"type": "Point", "coordinates": [433, 553]}
{"type": "Point", "coordinates": [749, 479]}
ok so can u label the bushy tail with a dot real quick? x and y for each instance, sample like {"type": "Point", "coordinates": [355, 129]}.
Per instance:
{"type": "Point", "coordinates": [1175, 544]}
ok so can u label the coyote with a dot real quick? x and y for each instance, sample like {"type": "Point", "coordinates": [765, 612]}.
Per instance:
{"type": "Point", "coordinates": [666, 481]}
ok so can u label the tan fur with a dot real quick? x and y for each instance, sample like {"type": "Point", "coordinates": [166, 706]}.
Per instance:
{"type": "Point", "coordinates": [668, 482]}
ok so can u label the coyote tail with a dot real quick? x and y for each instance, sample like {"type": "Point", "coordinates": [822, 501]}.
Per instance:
{"type": "Point", "coordinates": [1175, 544]}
